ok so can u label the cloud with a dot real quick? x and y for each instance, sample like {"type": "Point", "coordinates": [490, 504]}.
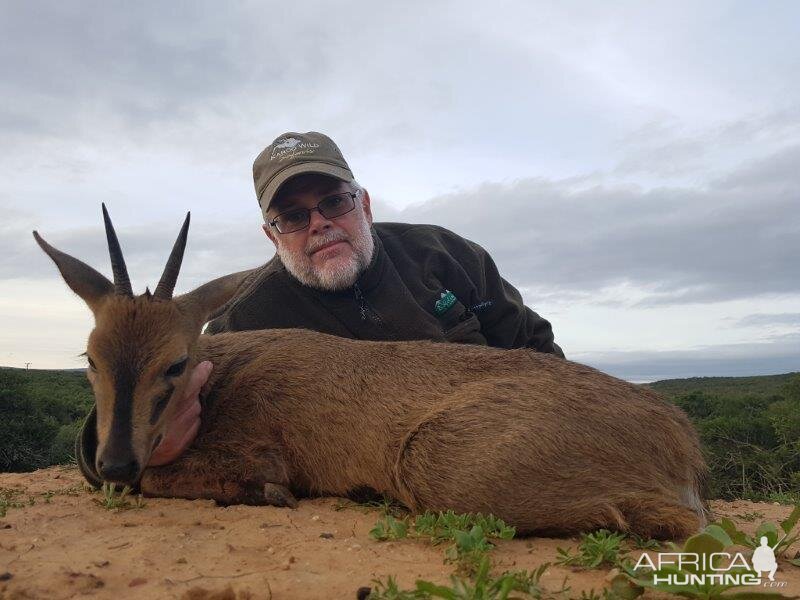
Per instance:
{"type": "Point", "coordinates": [677, 245]}
{"type": "Point", "coordinates": [665, 147]}
{"type": "Point", "coordinates": [769, 320]}
{"type": "Point", "coordinates": [209, 252]}
{"type": "Point", "coordinates": [776, 174]}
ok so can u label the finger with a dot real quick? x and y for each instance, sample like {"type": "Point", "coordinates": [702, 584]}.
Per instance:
{"type": "Point", "coordinates": [185, 424]}
{"type": "Point", "coordinates": [199, 377]}
{"type": "Point", "coordinates": [166, 452]}
{"type": "Point", "coordinates": [196, 381]}
{"type": "Point", "coordinates": [191, 433]}
{"type": "Point", "coordinates": [190, 414]}
{"type": "Point", "coordinates": [171, 453]}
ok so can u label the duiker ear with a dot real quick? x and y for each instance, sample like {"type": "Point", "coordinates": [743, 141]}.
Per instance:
{"type": "Point", "coordinates": [80, 277]}
{"type": "Point", "coordinates": [201, 303]}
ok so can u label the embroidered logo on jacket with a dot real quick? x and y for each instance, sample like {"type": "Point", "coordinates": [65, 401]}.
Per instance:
{"type": "Point", "coordinates": [444, 303]}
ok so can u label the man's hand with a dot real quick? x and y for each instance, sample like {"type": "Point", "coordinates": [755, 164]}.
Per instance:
{"type": "Point", "coordinates": [181, 431]}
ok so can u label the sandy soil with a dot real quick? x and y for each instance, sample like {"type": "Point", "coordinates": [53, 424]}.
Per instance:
{"type": "Point", "coordinates": [65, 545]}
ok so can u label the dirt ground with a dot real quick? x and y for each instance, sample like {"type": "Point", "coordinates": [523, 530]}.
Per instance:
{"type": "Point", "coordinates": [62, 544]}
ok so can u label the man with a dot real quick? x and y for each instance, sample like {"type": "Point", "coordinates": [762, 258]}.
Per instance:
{"type": "Point", "coordinates": [337, 272]}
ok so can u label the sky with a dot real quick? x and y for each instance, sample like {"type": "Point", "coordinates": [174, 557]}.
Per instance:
{"type": "Point", "coordinates": [631, 167]}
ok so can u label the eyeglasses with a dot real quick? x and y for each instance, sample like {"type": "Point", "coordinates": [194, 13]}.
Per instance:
{"type": "Point", "coordinates": [329, 207]}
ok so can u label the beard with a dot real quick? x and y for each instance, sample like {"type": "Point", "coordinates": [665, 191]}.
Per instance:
{"type": "Point", "coordinates": [339, 272]}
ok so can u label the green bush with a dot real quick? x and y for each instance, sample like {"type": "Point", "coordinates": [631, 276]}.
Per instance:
{"type": "Point", "coordinates": [62, 450]}
{"type": "Point", "coordinates": [40, 415]}
{"type": "Point", "coordinates": [751, 442]}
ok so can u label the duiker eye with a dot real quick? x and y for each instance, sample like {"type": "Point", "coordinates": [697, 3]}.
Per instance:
{"type": "Point", "coordinates": [177, 368]}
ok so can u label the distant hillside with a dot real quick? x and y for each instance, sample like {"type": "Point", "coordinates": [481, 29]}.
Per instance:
{"type": "Point", "coordinates": [761, 385]}
{"type": "Point", "coordinates": [48, 383]}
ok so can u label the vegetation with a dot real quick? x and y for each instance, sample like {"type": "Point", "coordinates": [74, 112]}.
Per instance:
{"type": "Point", "coordinates": [706, 576]}
{"type": "Point", "coordinates": [596, 549]}
{"type": "Point", "coordinates": [443, 526]}
{"type": "Point", "coordinates": [779, 535]}
{"type": "Point", "coordinates": [751, 441]}
{"type": "Point", "coordinates": [760, 385]}
{"type": "Point", "coordinates": [10, 498]}
{"type": "Point", "coordinates": [469, 534]}
{"type": "Point", "coordinates": [40, 415]}
{"type": "Point", "coordinates": [483, 586]}
{"type": "Point", "coordinates": [470, 552]}
{"type": "Point", "coordinates": [113, 499]}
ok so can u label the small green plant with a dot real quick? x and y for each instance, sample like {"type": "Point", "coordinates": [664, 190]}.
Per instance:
{"type": "Point", "coordinates": [641, 543]}
{"type": "Point", "coordinates": [441, 526]}
{"type": "Point", "coordinates": [527, 582]}
{"type": "Point", "coordinates": [608, 594]}
{"type": "Point", "coordinates": [386, 506]}
{"type": "Point", "coordinates": [749, 517]}
{"type": "Point", "coordinates": [485, 587]}
{"type": "Point", "coordinates": [74, 490]}
{"type": "Point", "coordinates": [469, 550]}
{"type": "Point", "coordinates": [391, 591]}
{"type": "Point", "coordinates": [779, 536]}
{"type": "Point", "coordinates": [389, 528]}
{"type": "Point", "coordinates": [468, 532]}
{"type": "Point", "coordinates": [9, 498]}
{"type": "Point", "coordinates": [601, 547]}
{"type": "Point", "coordinates": [111, 500]}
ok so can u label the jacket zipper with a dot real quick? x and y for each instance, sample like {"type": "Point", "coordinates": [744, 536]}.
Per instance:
{"type": "Point", "coordinates": [367, 312]}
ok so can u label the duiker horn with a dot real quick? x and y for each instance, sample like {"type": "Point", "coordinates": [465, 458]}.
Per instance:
{"type": "Point", "coordinates": [166, 284]}
{"type": "Point", "coordinates": [122, 283]}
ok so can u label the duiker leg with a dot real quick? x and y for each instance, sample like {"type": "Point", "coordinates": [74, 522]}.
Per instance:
{"type": "Point", "coordinates": [215, 476]}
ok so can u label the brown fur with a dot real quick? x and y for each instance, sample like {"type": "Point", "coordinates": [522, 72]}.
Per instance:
{"type": "Point", "coordinates": [548, 445]}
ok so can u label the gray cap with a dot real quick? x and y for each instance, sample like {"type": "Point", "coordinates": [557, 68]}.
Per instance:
{"type": "Point", "coordinates": [293, 154]}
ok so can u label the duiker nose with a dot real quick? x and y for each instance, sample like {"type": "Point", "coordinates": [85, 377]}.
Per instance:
{"type": "Point", "coordinates": [118, 471]}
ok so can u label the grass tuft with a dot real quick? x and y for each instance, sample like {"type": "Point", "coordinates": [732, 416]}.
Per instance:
{"type": "Point", "coordinates": [111, 500]}
{"type": "Point", "coordinates": [601, 547]}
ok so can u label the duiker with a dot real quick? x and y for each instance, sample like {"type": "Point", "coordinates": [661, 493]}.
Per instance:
{"type": "Point", "coordinates": [548, 445]}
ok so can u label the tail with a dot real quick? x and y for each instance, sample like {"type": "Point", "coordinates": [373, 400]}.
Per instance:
{"type": "Point", "coordinates": [650, 516]}
{"type": "Point", "coordinates": [692, 498]}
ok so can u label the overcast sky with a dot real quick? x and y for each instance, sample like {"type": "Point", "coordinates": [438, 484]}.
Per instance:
{"type": "Point", "coordinates": [632, 167]}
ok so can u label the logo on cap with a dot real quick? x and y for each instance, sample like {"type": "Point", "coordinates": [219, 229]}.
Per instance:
{"type": "Point", "coordinates": [292, 147]}
{"type": "Point", "coordinates": [287, 143]}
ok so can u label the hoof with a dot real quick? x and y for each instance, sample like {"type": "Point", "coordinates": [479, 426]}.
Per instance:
{"type": "Point", "coordinates": [278, 495]}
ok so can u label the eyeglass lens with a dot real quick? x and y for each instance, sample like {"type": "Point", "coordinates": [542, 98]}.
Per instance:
{"type": "Point", "coordinates": [330, 208]}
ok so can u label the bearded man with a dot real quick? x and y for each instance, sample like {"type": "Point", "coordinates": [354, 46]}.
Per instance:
{"type": "Point", "coordinates": [337, 272]}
